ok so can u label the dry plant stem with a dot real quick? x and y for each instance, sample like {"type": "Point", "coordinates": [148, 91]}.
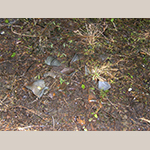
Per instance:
{"type": "Point", "coordinates": [34, 101]}
{"type": "Point", "coordinates": [1, 102]}
{"type": "Point", "coordinates": [114, 26]}
{"type": "Point", "coordinates": [53, 123]}
{"type": "Point", "coordinates": [111, 102]}
{"type": "Point", "coordinates": [76, 128]}
{"type": "Point", "coordinates": [100, 106]}
{"type": "Point", "coordinates": [17, 26]}
{"type": "Point", "coordinates": [101, 78]}
{"type": "Point", "coordinates": [92, 33]}
{"type": "Point", "coordinates": [145, 119]}
{"type": "Point", "coordinates": [26, 35]}
{"type": "Point", "coordinates": [136, 122]}
{"type": "Point", "coordinates": [136, 83]}
{"type": "Point", "coordinates": [104, 35]}
{"type": "Point", "coordinates": [4, 99]}
{"type": "Point", "coordinates": [53, 84]}
{"type": "Point", "coordinates": [66, 103]}
{"type": "Point", "coordinates": [104, 29]}
{"type": "Point", "coordinates": [1, 25]}
{"type": "Point", "coordinates": [104, 70]}
{"type": "Point", "coordinates": [77, 70]}
{"type": "Point", "coordinates": [109, 114]}
{"type": "Point", "coordinates": [148, 53]}
{"type": "Point", "coordinates": [22, 34]}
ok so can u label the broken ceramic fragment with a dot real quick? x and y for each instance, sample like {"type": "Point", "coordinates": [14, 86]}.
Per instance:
{"type": "Point", "coordinates": [52, 61]}
{"type": "Point", "coordinates": [67, 71]}
{"type": "Point", "coordinates": [37, 87]}
{"type": "Point", "coordinates": [76, 57]}
{"type": "Point", "coordinates": [103, 85]}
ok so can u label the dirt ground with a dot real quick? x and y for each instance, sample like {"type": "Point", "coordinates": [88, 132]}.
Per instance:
{"type": "Point", "coordinates": [117, 50]}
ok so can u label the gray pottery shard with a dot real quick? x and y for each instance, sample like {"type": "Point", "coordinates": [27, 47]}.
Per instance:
{"type": "Point", "coordinates": [52, 61]}
{"type": "Point", "coordinates": [76, 57]}
{"type": "Point", "coordinates": [37, 87]}
{"type": "Point", "coordinates": [103, 85]}
{"type": "Point", "coordinates": [67, 71]}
